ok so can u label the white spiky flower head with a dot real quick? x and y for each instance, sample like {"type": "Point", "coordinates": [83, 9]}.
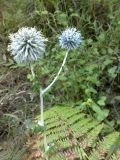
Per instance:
{"type": "Point", "coordinates": [70, 38]}
{"type": "Point", "coordinates": [26, 45]}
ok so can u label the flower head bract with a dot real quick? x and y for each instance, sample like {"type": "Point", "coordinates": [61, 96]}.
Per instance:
{"type": "Point", "coordinates": [26, 45]}
{"type": "Point", "coordinates": [70, 38]}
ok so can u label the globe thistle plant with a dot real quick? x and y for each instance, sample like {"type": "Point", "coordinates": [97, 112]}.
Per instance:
{"type": "Point", "coordinates": [26, 45]}
{"type": "Point", "coordinates": [70, 38]}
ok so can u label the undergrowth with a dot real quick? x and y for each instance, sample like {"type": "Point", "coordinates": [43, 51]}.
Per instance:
{"type": "Point", "coordinates": [90, 81]}
{"type": "Point", "coordinates": [71, 135]}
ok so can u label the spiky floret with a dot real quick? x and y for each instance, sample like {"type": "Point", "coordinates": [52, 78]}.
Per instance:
{"type": "Point", "coordinates": [26, 45]}
{"type": "Point", "coordinates": [70, 38]}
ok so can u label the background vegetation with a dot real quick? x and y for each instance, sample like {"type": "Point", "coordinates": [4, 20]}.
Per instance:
{"type": "Point", "coordinates": [91, 78]}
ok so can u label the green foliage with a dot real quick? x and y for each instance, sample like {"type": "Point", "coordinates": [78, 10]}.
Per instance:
{"type": "Point", "coordinates": [90, 80]}
{"type": "Point", "coordinates": [99, 114]}
{"type": "Point", "coordinates": [92, 71]}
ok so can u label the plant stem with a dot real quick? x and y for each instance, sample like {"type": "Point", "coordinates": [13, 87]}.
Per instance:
{"type": "Point", "coordinates": [45, 145]}
{"type": "Point", "coordinates": [32, 70]}
{"type": "Point", "coordinates": [42, 121]}
{"type": "Point", "coordinates": [42, 91]}
{"type": "Point", "coordinates": [41, 108]}
{"type": "Point", "coordinates": [56, 77]}
{"type": "Point", "coordinates": [41, 112]}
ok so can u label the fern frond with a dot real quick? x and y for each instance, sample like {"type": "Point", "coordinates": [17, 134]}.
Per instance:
{"type": "Point", "coordinates": [91, 137]}
{"type": "Point", "coordinates": [104, 146]}
{"type": "Point", "coordinates": [116, 156]}
{"type": "Point", "coordinates": [73, 135]}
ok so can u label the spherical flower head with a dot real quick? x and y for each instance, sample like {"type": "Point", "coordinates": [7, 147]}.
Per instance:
{"type": "Point", "coordinates": [70, 38]}
{"type": "Point", "coordinates": [26, 45]}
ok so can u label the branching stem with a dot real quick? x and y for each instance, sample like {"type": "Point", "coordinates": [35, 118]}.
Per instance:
{"type": "Point", "coordinates": [56, 77]}
{"type": "Point", "coordinates": [42, 92]}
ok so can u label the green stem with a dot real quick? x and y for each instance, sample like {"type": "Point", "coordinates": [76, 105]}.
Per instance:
{"type": "Point", "coordinates": [32, 70]}
{"type": "Point", "coordinates": [42, 92]}
{"type": "Point", "coordinates": [57, 75]}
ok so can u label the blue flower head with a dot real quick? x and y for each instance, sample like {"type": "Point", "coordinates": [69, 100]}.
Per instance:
{"type": "Point", "coordinates": [26, 45]}
{"type": "Point", "coordinates": [70, 38]}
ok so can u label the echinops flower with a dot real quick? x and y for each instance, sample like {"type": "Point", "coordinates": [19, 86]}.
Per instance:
{"type": "Point", "coordinates": [26, 45]}
{"type": "Point", "coordinates": [70, 38]}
